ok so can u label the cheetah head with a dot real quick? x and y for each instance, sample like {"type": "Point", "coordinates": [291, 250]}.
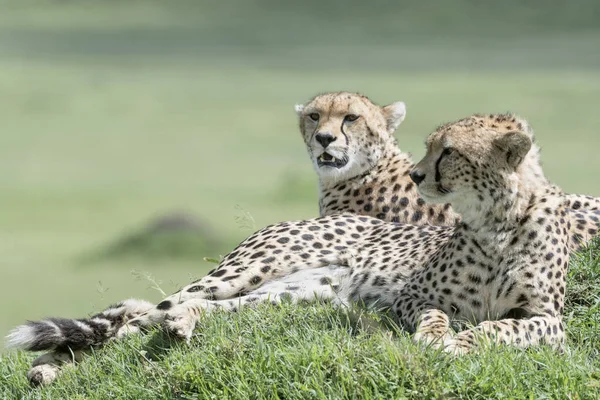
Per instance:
{"type": "Point", "coordinates": [346, 134]}
{"type": "Point", "coordinates": [479, 163]}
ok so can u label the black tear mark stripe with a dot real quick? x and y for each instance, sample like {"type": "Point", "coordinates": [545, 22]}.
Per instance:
{"type": "Point", "coordinates": [344, 133]}
{"type": "Point", "coordinates": [314, 133]}
{"type": "Point", "coordinates": [438, 176]}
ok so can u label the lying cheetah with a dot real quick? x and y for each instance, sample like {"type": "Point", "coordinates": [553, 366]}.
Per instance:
{"type": "Point", "coordinates": [502, 268]}
{"type": "Point", "coordinates": [362, 170]}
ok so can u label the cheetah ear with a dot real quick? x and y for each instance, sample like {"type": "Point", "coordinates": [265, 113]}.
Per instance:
{"type": "Point", "coordinates": [299, 109]}
{"type": "Point", "coordinates": [394, 114]}
{"type": "Point", "coordinates": [513, 147]}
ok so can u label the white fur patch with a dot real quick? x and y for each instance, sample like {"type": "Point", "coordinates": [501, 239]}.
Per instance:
{"type": "Point", "coordinates": [83, 326]}
{"type": "Point", "coordinates": [299, 108]}
{"type": "Point", "coordinates": [22, 336]}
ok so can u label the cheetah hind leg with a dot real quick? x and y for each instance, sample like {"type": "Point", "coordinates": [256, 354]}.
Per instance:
{"type": "Point", "coordinates": [307, 285]}
{"type": "Point", "coordinates": [47, 367]}
{"type": "Point", "coordinates": [334, 264]}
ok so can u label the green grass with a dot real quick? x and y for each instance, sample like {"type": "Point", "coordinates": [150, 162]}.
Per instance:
{"type": "Point", "coordinates": [317, 352]}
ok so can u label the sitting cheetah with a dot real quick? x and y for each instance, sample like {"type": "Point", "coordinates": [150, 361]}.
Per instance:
{"type": "Point", "coordinates": [502, 268]}
{"type": "Point", "coordinates": [362, 170]}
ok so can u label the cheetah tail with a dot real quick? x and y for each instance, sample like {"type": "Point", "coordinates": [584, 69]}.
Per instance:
{"type": "Point", "coordinates": [76, 334]}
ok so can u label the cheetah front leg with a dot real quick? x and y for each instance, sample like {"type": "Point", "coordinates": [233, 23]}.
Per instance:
{"type": "Point", "coordinates": [516, 332]}
{"type": "Point", "coordinates": [431, 325]}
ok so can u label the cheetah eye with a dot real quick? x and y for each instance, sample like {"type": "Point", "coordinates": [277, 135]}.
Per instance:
{"type": "Point", "coordinates": [447, 151]}
{"type": "Point", "coordinates": [314, 116]}
{"type": "Point", "coordinates": [351, 117]}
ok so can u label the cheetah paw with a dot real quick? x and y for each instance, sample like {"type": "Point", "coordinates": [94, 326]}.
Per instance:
{"type": "Point", "coordinates": [435, 340]}
{"type": "Point", "coordinates": [41, 375]}
{"type": "Point", "coordinates": [180, 325]}
{"type": "Point", "coordinates": [456, 348]}
{"type": "Point", "coordinates": [126, 330]}
{"type": "Point", "coordinates": [46, 368]}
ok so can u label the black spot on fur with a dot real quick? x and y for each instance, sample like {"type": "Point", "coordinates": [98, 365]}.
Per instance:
{"type": "Point", "coordinates": [164, 305]}
{"type": "Point", "coordinates": [219, 272]}
{"type": "Point", "coordinates": [255, 280]}
{"type": "Point", "coordinates": [325, 280]}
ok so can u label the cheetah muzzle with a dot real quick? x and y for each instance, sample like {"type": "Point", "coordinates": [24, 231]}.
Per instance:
{"type": "Point", "coordinates": [328, 160]}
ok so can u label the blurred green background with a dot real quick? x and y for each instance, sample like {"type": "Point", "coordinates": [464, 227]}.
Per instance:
{"type": "Point", "coordinates": [115, 113]}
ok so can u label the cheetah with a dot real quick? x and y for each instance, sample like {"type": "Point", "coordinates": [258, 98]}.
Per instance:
{"type": "Point", "coordinates": [361, 170]}
{"type": "Point", "coordinates": [350, 141]}
{"type": "Point", "coordinates": [501, 269]}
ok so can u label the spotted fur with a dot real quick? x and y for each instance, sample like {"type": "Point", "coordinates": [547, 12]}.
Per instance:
{"type": "Point", "coordinates": [501, 269]}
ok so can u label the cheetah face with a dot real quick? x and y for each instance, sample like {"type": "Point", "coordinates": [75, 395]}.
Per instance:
{"type": "Point", "coordinates": [469, 165]}
{"type": "Point", "coordinates": [437, 175]}
{"type": "Point", "coordinates": [345, 133]}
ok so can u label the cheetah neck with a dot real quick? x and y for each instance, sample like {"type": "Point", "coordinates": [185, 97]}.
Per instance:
{"type": "Point", "coordinates": [503, 210]}
{"type": "Point", "coordinates": [500, 217]}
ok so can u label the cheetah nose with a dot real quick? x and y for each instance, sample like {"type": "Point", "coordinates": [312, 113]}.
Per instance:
{"type": "Point", "coordinates": [325, 138]}
{"type": "Point", "coordinates": [416, 176]}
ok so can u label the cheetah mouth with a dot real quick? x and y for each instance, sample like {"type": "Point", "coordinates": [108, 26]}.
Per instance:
{"type": "Point", "coordinates": [327, 160]}
{"type": "Point", "coordinates": [435, 194]}
{"type": "Point", "coordinates": [443, 189]}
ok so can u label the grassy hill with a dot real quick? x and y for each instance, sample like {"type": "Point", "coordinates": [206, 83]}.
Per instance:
{"type": "Point", "coordinates": [317, 352]}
